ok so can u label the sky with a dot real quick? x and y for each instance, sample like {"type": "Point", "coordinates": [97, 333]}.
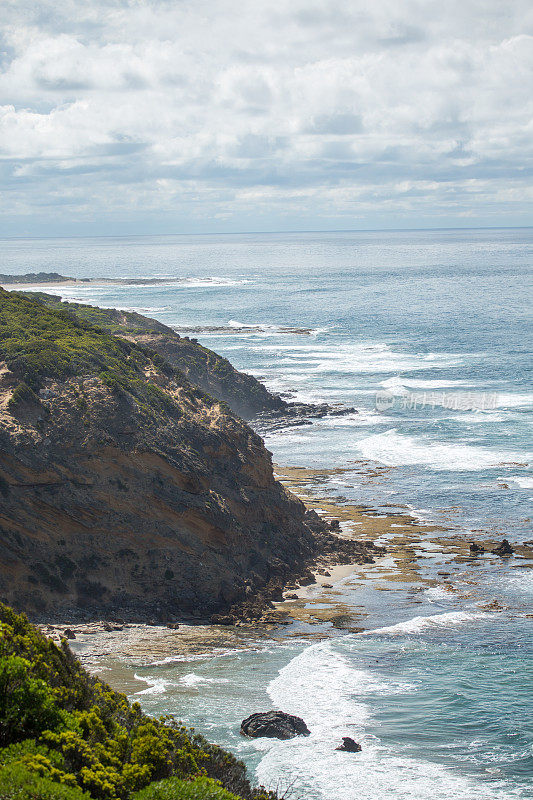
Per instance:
{"type": "Point", "coordinates": [175, 116]}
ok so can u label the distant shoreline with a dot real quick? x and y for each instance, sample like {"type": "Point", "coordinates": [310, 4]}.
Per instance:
{"type": "Point", "coordinates": [35, 280]}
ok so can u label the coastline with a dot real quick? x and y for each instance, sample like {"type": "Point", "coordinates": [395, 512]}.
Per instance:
{"type": "Point", "coordinates": [313, 609]}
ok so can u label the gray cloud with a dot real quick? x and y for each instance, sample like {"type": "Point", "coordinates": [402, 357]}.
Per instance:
{"type": "Point", "coordinates": [337, 114]}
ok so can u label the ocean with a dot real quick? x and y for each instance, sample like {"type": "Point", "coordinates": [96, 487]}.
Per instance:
{"type": "Point", "coordinates": [427, 335]}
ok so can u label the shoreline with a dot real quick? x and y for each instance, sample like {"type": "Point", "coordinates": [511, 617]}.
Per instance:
{"type": "Point", "coordinates": [314, 602]}
{"type": "Point", "coordinates": [14, 286]}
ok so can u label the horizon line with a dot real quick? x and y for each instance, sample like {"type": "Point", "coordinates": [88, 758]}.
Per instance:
{"type": "Point", "coordinates": [267, 232]}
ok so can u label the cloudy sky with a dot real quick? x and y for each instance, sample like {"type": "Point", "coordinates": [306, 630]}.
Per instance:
{"type": "Point", "coordinates": [148, 116]}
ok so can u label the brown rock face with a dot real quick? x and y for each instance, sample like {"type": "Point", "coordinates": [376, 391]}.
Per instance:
{"type": "Point", "coordinates": [126, 490]}
{"type": "Point", "coordinates": [105, 508]}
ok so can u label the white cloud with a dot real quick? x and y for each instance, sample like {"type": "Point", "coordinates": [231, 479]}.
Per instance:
{"type": "Point", "coordinates": [323, 110]}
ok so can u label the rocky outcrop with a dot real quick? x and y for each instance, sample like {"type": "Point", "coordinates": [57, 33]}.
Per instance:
{"type": "Point", "coordinates": [349, 745]}
{"type": "Point", "coordinates": [503, 549]}
{"type": "Point", "coordinates": [125, 490]}
{"type": "Point", "coordinates": [274, 725]}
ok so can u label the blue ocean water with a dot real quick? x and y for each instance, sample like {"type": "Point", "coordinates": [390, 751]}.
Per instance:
{"type": "Point", "coordinates": [427, 334]}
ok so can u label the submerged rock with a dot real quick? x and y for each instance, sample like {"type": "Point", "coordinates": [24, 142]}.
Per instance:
{"type": "Point", "coordinates": [349, 745]}
{"type": "Point", "coordinates": [503, 549]}
{"type": "Point", "coordinates": [476, 548]}
{"type": "Point", "coordinates": [274, 725]}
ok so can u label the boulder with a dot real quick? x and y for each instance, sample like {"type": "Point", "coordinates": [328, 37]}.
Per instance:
{"type": "Point", "coordinates": [349, 745]}
{"type": "Point", "coordinates": [503, 549]}
{"type": "Point", "coordinates": [476, 548]}
{"type": "Point", "coordinates": [274, 725]}
{"type": "Point", "coordinates": [69, 634]}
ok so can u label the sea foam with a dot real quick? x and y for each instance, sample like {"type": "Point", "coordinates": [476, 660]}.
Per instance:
{"type": "Point", "coordinates": [396, 449]}
{"type": "Point", "coordinates": [420, 624]}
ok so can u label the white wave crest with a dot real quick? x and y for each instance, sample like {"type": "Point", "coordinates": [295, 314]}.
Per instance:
{"type": "Point", "coordinates": [399, 385]}
{"type": "Point", "coordinates": [420, 624]}
{"type": "Point", "coordinates": [192, 679]}
{"type": "Point", "coordinates": [155, 685]}
{"type": "Point", "coordinates": [524, 481]}
{"type": "Point", "coordinates": [395, 449]}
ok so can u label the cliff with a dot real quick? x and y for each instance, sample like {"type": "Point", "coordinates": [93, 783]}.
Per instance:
{"type": "Point", "coordinates": [212, 373]}
{"type": "Point", "coordinates": [124, 489]}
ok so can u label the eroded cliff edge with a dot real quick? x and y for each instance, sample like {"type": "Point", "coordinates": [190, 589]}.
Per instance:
{"type": "Point", "coordinates": [124, 489]}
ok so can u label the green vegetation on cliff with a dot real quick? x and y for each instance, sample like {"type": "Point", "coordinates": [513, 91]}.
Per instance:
{"type": "Point", "coordinates": [65, 735]}
{"type": "Point", "coordinates": [244, 394]}
{"type": "Point", "coordinates": [38, 342]}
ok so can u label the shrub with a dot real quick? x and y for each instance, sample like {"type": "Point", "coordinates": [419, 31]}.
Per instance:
{"type": "Point", "coordinates": [19, 783]}
{"type": "Point", "coordinates": [176, 789]}
{"type": "Point", "coordinates": [22, 396]}
{"type": "Point", "coordinates": [27, 704]}
{"type": "Point", "coordinates": [60, 723]}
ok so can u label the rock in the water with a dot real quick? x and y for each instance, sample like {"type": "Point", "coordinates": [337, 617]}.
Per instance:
{"type": "Point", "coordinates": [69, 634]}
{"type": "Point", "coordinates": [476, 548]}
{"type": "Point", "coordinates": [274, 725]}
{"type": "Point", "coordinates": [349, 745]}
{"type": "Point", "coordinates": [503, 549]}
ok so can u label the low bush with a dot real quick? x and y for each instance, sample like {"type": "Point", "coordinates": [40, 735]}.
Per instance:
{"type": "Point", "coordinates": [19, 783]}
{"type": "Point", "coordinates": [176, 789]}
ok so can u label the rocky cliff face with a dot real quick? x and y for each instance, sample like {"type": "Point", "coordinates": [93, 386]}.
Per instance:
{"type": "Point", "coordinates": [123, 488]}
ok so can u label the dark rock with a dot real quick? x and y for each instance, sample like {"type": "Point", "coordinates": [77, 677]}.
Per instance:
{"type": "Point", "coordinates": [503, 549]}
{"type": "Point", "coordinates": [107, 627]}
{"type": "Point", "coordinates": [69, 634]}
{"type": "Point", "coordinates": [307, 579]}
{"type": "Point", "coordinates": [327, 586]}
{"type": "Point", "coordinates": [276, 593]}
{"type": "Point", "coordinates": [173, 626]}
{"type": "Point", "coordinates": [291, 596]}
{"type": "Point", "coordinates": [349, 745]}
{"type": "Point", "coordinates": [335, 525]}
{"type": "Point", "coordinates": [476, 548]}
{"type": "Point", "coordinates": [223, 619]}
{"type": "Point", "coordinates": [274, 725]}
